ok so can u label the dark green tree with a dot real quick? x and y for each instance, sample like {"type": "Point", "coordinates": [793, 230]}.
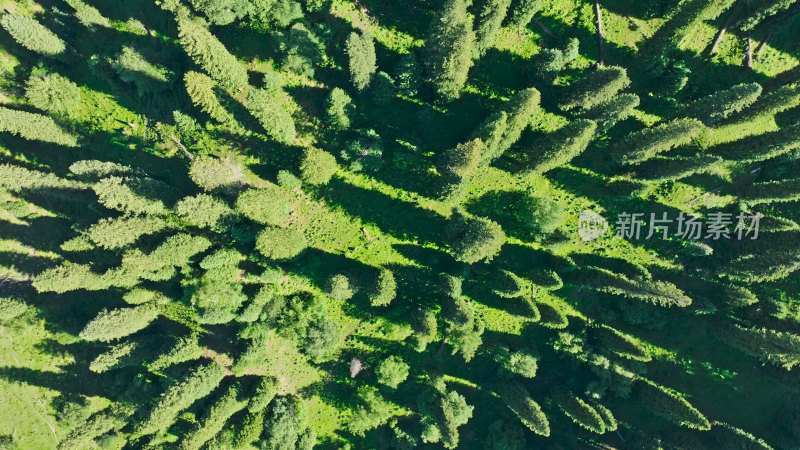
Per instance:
{"type": "Point", "coordinates": [449, 48]}
{"type": "Point", "coordinates": [522, 12]}
{"type": "Point", "coordinates": [597, 87]}
{"type": "Point", "coordinates": [563, 145]}
{"type": "Point", "coordinates": [339, 109]}
{"type": "Point", "coordinates": [53, 93]}
{"type": "Point", "coordinates": [670, 406]}
{"type": "Point", "coordinates": [34, 127]}
{"type": "Point", "coordinates": [208, 52]}
{"type": "Point", "coordinates": [32, 35]}
{"type": "Point", "coordinates": [392, 371]}
{"type": "Point", "coordinates": [269, 109]}
{"type": "Point", "coordinates": [644, 144]}
{"type": "Point", "coordinates": [473, 239]}
{"type": "Point", "coordinates": [518, 400]}
{"type": "Point", "coordinates": [490, 18]}
{"type": "Point", "coordinates": [718, 106]}
{"type": "Point", "coordinates": [361, 51]}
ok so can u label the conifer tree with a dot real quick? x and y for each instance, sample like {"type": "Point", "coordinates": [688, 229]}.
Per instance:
{"type": "Point", "coordinates": [32, 35]}
{"type": "Point", "coordinates": [771, 103]}
{"type": "Point", "coordinates": [130, 195]}
{"type": "Point", "coordinates": [516, 363]}
{"type": "Point", "coordinates": [318, 166]}
{"type": "Point", "coordinates": [761, 147]}
{"type": "Point", "coordinates": [660, 168]}
{"type": "Point", "coordinates": [192, 387]}
{"type": "Point", "coordinates": [209, 53]}
{"type": "Point", "coordinates": [778, 348]}
{"type": "Point", "coordinates": [267, 206]}
{"type": "Point", "coordinates": [563, 145]}
{"type": "Point", "coordinates": [550, 61]}
{"type": "Point", "coordinates": [53, 93]}
{"type": "Point", "coordinates": [272, 115]}
{"type": "Point", "coordinates": [520, 111]}
{"type": "Point", "coordinates": [118, 323]}
{"type": "Point", "coordinates": [609, 112]}
{"type": "Point", "coordinates": [373, 411]}
{"type": "Point", "coordinates": [213, 420]}
{"type": "Point", "coordinates": [339, 288]}
{"type": "Point", "coordinates": [118, 232]}
{"type": "Point", "coordinates": [772, 192]}
{"type": "Point", "coordinates": [361, 51]}
{"type": "Point", "coordinates": [657, 292]}
{"type": "Point", "coordinates": [88, 15]}
{"type": "Point", "coordinates": [280, 243]}
{"type": "Point", "coordinates": [339, 109]}
{"type": "Point", "coordinates": [423, 322]}
{"type": "Point", "coordinates": [490, 18]}
{"type": "Point", "coordinates": [491, 132]}
{"type": "Point", "coordinates": [223, 12]}
{"type": "Point", "coordinates": [385, 289]}
{"type": "Point", "coordinates": [11, 308]}
{"type": "Point", "coordinates": [92, 169]}
{"type": "Point", "coordinates": [212, 173]}
{"type": "Point", "coordinates": [34, 127]}
{"type": "Point", "coordinates": [133, 67]}
{"type": "Point", "coordinates": [253, 310]}
{"type": "Point", "coordinates": [448, 49]}
{"type": "Point", "coordinates": [474, 238]}
{"type": "Point", "coordinates": [644, 144]}
{"type": "Point", "coordinates": [453, 412]}
{"type": "Point", "coordinates": [718, 106]}
{"type": "Point", "coordinates": [203, 210]}
{"type": "Point", "coordinates": [392, 371]}
{"type": "Point", "coordinates": [522, 12]}
{"type": "Point", "coordinates": [579, 411]}
{"type": "Point", "coordinates": [201, 90]}
{"type": "Point", "coordinates": [669, 406]}
{"type": "Point", "coordinates": [100, 423]}
{"type": "Point", "coordinates": [113, 358]}
{"type": "Point", "coordinates": [518, 400]}
{"type": "Point", "coordinates": [71, 277]}
{"type": "Point", "coordinates": [462, 161]}
{"type": "Point", "coordinates": [187, 348]}
{"type": "Point", "coordinates": [595, 88]}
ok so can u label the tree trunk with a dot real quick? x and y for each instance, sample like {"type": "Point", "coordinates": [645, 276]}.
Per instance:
{"type": "Point", "coordinates": [748, 61]}
{"type": "Point", "coordinates": [601, 47]}
{"type": "Point", "coordinates": [762, 46]}
{"type": "Point", "coordinates": [543, 27]}
{"type": "Point", "coordinates": [724, 29]}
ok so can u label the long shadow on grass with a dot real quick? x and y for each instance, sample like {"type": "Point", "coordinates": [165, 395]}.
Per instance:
{"type": "Point", "coordinates": [401, 219]}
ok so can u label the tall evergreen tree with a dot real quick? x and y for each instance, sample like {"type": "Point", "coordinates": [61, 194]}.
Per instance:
{"type": "Point", "coordinates": [718, 106]}
{"type": "Point", "coordinates": [200, 88]}
{"type": "Point", "coordinates": [361, 51]}
{"type": "Point", "coordinates": [563, 145]}
{"type": "Point", "coordinates": [609, 112]}
{"type": "Point", "coordinates": [209, 53]}
{"type": "Point", "coordinates": [595, 88]}
{"type": "Point", "coordinates": [474, 238]}
{"type": "Point", "coordinates": [34, 127]}
{"type": "Point", "coordinates": [522, 12]}
{"type": "Point", "coordinates": [118, 323]}
{"type": "Point", "coordinates": [271, 113]}
{"type": "Point", "coordinates": [32, 35]}
{"type": "Point", "coordinates": [53, 93]}
{"type": "Point", "coordinates": [669, 405]}
{"type": "Point", "coordinates": [761, 147]}
{"type": "Point", "coordinates": [133, 67]}
{"type": "Point", "coordinates": [490, 17]}
{"type": "Point", "coordinates": [448, 49]}
{"type": "Point", "coordinates": [518, 400]}
{"type": "Point", "coordinates": [644, 144]}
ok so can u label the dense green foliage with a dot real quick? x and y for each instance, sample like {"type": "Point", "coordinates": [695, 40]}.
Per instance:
{"type": "Point", "coordinates": [340, 224]}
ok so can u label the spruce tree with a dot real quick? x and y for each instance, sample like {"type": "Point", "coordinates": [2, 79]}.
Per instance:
{"type": "Point", "coordinates": [118, 323]}
{"type": "Point", "coordinates": [271, 113]}
{"type": "Point", "coordinates": [209, 53]}
{"type": "Point", "coordinates": [214, 419]}
{"type": "Point", "coordinates": [772, 192]}
{"type": "Point", "coordinates": [88, 15]}
{"type": "Point", "coordinates": [211, 173]}
{"type": "Point", "coordinates": [131, 195]}
{"type": "Point", "coordinates": [279, 243]}
{"type": "Point", "coordinates": [361, 51]}
{"type": "Point", "coordinates": [267, 206]}
{"type": "Point", "coordinates": [550, 61]}
{"type": "Point", "coordinates": [474, 238]}
{"type": "Point", "coordinates": [449, 48]}
{"type": "Point", "coordinates": [642, 145]}
{"type": "Point", "coordinates": [223, 12]}
{"type": "Point", "coordinates": [392, 371]}
{"type": "Point", "coordinates": [203, 210]}
{"type": "Point", "coordinates": [518, 400]}
{"type": "Point", "coordinates": [579, 411]}
{"type": "Point", "coordinates": [720, 105]}
{"type": "Point", "coordinates": [318, 166]}
{"type": "Point", "coordinates": [771, 103]}
{"type": "Point", "coordinates": [119, 232]}
{"type": "Point", "coordinates": [53, 93]}
{"type": "Point", "coordinates": [761, 147]}
{"type": "Point", "coordinates": [522, 12]}
{"type": "Point", "coordinates": [670, 406]}
{"type": "Point", "coordinates": [563, 145]}
{"type": "Point", "coordinates": [339, 109]}
{"type": "Point", "coordinates": [778, 348]}
{"type": "Point", "coordinates": [609, 112]}
{"type": "Point", "coordinates": [385, 289]}
{"type": "Point", "coordinates": [660, 169]}
{"type": "Point", "coordinates": [423, 322]}
{"type": "Point", "coordinates": [192, 387]}
{"type": "Point", "coordinates": [520, 110]}
{"type": "Point", "coordinates": [34, 127]}
{"type": "Point", "coordinates": [32, 35]}
{"type": "Point", "coordinates": [111, 419]}
{"type": "Point", "coordinates": [200, 88]}
{"type": "Point", "coordinates": [339, 288]}
{"type": "Point", "coordinates": [133, 67]}
{"type": "Point", "coordinates": [595, 88]}
{"type": "Point", "coordinates": [11, 308]}
{"type": "Point", "coordinates": [113, 358]}
{"type": "Point", "coordinates": [462, 161]}
{"type": "Point", "coordinates": [490, 17]}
